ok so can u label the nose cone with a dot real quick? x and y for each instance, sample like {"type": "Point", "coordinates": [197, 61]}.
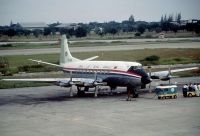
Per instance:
{"type": "Point", "coordinates": [146, 80]}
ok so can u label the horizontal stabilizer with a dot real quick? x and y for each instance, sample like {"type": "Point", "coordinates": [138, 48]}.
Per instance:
{"type": "Point", "coordinates": [92, 58]}
{"type": "Point", "coordinates": [43, 62]}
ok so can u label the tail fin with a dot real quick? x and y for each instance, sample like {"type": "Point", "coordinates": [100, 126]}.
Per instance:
{"type": "Point", "coordinates": [65, 55]}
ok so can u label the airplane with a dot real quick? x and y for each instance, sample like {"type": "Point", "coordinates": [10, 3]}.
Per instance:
{"type": "Point", "coordinates": [89, 73]}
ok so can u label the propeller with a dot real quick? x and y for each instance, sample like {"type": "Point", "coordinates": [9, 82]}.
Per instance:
{"type": "Point", "coordinates": [169, 74]}
{"type": "Point", "coordinates": [96, 85]}
{"type": "Point", "coordinates": [149, 69]}
{"type": "Point", "coordinates": [71, 83]}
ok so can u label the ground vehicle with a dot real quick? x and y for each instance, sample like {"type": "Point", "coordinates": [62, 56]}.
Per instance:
{"type": "Point", "coordinates": [191, 94]}
{"type": "Point", "coordinates": [166, 91]}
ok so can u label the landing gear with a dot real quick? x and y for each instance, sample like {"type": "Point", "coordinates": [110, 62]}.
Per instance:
{"type": "Point", "coordinates": [132, 93]}
{"type": "Point", "coordinates": [80, 92]}
{"type": "Point", "coordinates": [111, 89]}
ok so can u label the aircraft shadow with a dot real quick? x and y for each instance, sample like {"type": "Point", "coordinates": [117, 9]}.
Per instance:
{"type": "Point", "coordinates": [34, 99]}
{"type": "Point", "coordinates": [30, 99]}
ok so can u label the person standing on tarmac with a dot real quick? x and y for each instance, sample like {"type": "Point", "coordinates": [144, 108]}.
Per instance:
{"type": "Point", "coordinates": [198, 86]}
{"type": "Point", "coordinates": [196, 89]}
{"type": "Point", "coordinates": [191, 87]}
{"type": "Point", "coordinates": [185, 89]}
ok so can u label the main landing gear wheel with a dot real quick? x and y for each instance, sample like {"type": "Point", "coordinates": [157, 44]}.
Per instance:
{"type": "Point", "coordinates": [131, 91]}
{"type": "Point", "coordinates": [189, 95]}
{"type": "Point", "coordinates": [80, 92]}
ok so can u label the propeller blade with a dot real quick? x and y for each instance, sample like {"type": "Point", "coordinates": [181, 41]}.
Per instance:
{"type": "Point", "coordinates": [169, 74]}
{"type": "Point", "coordinates": [71, 92]}
{"type": "Point", "coordinates": [96, 85]}
{"type": "Point", "coordinates": [149, 68]}
{"type": "Point", "coordinates": [70, 81]}
{"type": "Point", "coordinates": [96, 91]}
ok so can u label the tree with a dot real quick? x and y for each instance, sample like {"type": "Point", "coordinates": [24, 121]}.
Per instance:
{"type": "Point", "coordinates": [152, 58]}
{"type": "Point", "coordinates": [71, 32]}
{"type": "Point", "coordinates": [179, 18]}
{"type": "Point", "coordinates": [141, 28]}
{"type": "Point", "coordinates": [37, 32]}
{"type": "Point", "coordinates": [113, 31]}
{"type": "Point", "coordinates": [47, 31]}
{"type": "Point", "coordinates": [26, 32]}
{"type": "Point", "coordinates": [131, 18]}
{"type": "Point", "coordinates": [11, 32]}
{"type": "Point", "coordinates": [162, 19]}
{"type": "Point", "coordinates": [174, 28]}
{"type": "Point", "coordinates": [158, 30]}
{"type": "Point", "coordinates": [197, 27]}
{"type": "Point", "coordinates": [80, 32]}
{"type": "Point", "coordinates": [170, 18]}
{"type": "Point", "coordinates": [165, 18]}
{"type": "Point", "coordinates": [153, 25]}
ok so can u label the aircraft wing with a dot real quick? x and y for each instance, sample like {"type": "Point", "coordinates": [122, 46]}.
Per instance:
{"type": "Point", "coordinates": [174, 70]}
{"type": "Point", "coordinates": [167, 73]}
{"type": "Point", "coordinates": [183, 69]}
{"type": "Point", "coordinates": [37, 79]}
{"type": "Point", "coordinates": [64, 82]}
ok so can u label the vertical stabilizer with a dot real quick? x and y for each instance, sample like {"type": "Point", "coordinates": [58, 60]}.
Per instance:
{"type": "Point", "coordinates": [65, 55]}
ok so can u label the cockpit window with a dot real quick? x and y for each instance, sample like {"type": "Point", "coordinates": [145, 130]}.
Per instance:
{"type": "Point", "coordinates": [132, 68]}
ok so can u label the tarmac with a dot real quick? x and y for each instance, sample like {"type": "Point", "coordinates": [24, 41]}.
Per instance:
{"type": "Point", "coordinates": [38, 111]}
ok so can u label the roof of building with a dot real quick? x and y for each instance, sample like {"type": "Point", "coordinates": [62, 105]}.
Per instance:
{"type": "Point", "coordinates": [33, 24]}
{"type": "Point", "coordinates": [66, 25]}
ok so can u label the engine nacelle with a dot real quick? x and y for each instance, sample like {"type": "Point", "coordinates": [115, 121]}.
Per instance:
{"type": "Point", "coordinates": [165, 78]}
{"type": "Point", "coordinates": [155, 77]}
{"type": "Point", "coordinates": [63, 83]}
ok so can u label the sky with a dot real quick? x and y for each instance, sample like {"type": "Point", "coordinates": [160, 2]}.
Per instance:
{"type": "Point", "coordinates": [77, 11]}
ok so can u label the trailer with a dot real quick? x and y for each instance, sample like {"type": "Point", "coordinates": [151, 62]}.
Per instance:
{"type": "Point", "coordinates": [166, 91]}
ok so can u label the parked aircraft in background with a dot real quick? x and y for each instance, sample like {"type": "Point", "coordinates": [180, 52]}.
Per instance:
{"type": "Point", "coordinates": [89, 73]}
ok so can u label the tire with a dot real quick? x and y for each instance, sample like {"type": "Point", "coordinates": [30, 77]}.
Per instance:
{"type": "Point", "coordinates": [80, 93]}
{"type": "Point", "coordinates": [159, 97]}
{"type": "Point", "coordinates": [175, 96]}
{"type": "Point", "coordinates": [136, 95]}
{"type": "Point", "coordinates": [189, 95]}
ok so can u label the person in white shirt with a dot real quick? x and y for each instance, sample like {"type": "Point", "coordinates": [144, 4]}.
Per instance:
{"type": "Point", "coordinates": [196, 89]}
{"type": "Point", "coordinates": [198, 86]}
{"type": "Point", "coordinates": [185, 89]}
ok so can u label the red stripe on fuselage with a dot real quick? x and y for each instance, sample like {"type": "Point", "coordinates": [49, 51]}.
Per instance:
{"type": "Point", "coordinates": [104, 70]}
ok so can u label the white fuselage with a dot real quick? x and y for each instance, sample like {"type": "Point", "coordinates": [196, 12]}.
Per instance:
{"type": "Point", "coordinates": [108, 71]}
